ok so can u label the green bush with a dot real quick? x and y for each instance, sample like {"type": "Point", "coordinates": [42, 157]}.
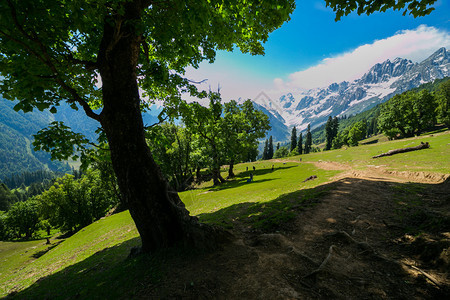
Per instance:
{"type": "Point", "coordinates": [23, 219]}
{"type": "Point", "coordinates": [72, 204]}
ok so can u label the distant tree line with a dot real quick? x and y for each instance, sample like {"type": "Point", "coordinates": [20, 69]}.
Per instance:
{"type": "Point", "coordinates": [295, 147]}
{"type": "Point", "coordinates": [27, 178]}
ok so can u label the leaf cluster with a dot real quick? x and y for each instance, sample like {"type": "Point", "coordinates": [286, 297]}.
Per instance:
{"type": "Point", "coordinates": [417, 8]}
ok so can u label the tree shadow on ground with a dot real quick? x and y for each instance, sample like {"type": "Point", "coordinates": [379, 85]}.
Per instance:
{"type": "Point", "coordinates": [237, 183]}
{"type": "Point", "coordinates": [106, 274]}
{"type": "Point", "coordinates": [262, 171]}
{"type": "Point", "coordinates": [241, 178]}
{"type": "Point", "coordinates": [267, 216]}
{"type": "Point", "coordinates": [49, 247]}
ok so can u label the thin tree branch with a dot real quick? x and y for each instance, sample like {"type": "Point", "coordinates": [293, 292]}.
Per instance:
{"type": "Point", "coordinates": [157, 123]}
{"type": "Point", "coordinates": [196, 82]}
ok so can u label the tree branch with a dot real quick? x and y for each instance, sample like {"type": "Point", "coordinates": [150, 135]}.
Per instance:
{"type": "Point", "coordinates": [157, 123]}
{"type": "Point", "coordinates": [47, 60]}
{"type": "Point", "coordinates": [89, 65]}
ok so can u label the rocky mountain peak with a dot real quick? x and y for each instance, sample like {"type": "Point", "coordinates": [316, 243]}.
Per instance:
{"type": "Point", "coordinates": [377, 85]}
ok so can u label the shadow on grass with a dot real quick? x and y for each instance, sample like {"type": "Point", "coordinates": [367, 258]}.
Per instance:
{"type": "Point", "coordinates": [241, 178]}
{"type": "Point", "coordinates": [237, 183]}
{"type": "Point", "coordinates": [267, 216]}
{"type": "Point", "coordinates": [42, 252]}
{"type": "Point", "coordinates": [106, 274]}
{"type": "Point", "coordinates": [262, 171]}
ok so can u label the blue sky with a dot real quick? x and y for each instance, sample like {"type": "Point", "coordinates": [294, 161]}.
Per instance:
{"type": "Point", "coordinates": [313, 50]}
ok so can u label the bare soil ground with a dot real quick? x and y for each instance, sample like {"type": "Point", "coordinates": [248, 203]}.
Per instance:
{"type": "Point", "coordinates": [374, 235]}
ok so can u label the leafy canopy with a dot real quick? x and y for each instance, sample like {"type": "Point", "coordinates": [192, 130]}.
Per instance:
{"type": "Point", "coordinates": [50, 48]}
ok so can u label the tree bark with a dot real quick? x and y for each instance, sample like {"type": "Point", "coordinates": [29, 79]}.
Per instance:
{"type": "Point", "coordinates": [160, 216]}
{"type": "Point", "coordinates": [230, 169]}
{"type": "Point", "coordinates": [403, 150]}
{"type": "Point", "coordinates": [198, 175]}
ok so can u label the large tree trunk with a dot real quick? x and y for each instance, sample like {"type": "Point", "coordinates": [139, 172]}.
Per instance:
{"type": "Point", "coordinates": [217, 177]}
{"type": "Point", "coordinates": [160, 216]}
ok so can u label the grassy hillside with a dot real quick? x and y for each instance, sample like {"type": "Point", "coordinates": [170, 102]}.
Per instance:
{"type": "Point", "coordinates": [435, 159]}
{"type": "Point", "coordinates": [93, 263]}
{"type": "Point", "coordinates": [98, 252]}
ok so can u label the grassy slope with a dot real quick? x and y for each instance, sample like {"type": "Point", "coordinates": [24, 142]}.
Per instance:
{"type": "Point", "coordinates": [93, 261]}
{"type": "Point", "coordinates": [435, 159]}
{"type": "Point", "coordinates": [107, 232]}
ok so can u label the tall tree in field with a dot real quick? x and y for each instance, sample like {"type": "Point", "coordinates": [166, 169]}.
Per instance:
{"type": "Point", "coordinates": [57, 50]}
{"type": "Point", "coordinates": [335, 127]}
{"type": "Point", "coordinates": [207, 122]}
{"type": "Point", "coordinates": [308, 140]}
{"type": "Point", "coordinates": [242, 126]}
{"type": "Point", "coordinates": [293, 138]}
{"type": "Point", "coordinates": [329, 133]}
{"type": "Point", "coordinates": [270, 149]}
{"type": "Point", "coordinates": [300, 143]}
{"type": "Point", "coordinates": [266, 150]}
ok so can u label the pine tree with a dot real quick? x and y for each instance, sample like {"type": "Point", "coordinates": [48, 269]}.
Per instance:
{"type": "Point", "coordinates": [335, 127]}
{"type": "Point", "coordinates": [266, 150]}
{"type": "Point", "coordinates": [294, 138]}
{"type": "Point", "coordinates": [308, 141]}
{"type": "Point", "coordinates": [329, 133]}
{"type": "Point", "coordinates": [278, 145]}
{"type": "Point", "coordinates": [300, 144]}
{"type": "Point", "coordinates": [270, 149]}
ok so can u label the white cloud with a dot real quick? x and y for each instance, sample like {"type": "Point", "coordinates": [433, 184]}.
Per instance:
{"type": "Point", "coordinates": [415, 45]}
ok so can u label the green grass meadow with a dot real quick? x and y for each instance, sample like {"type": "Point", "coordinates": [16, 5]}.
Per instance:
{"type": "Point", "coordinates": [93, 263]}
{"type": "Point", "coordinates": [435, 159]}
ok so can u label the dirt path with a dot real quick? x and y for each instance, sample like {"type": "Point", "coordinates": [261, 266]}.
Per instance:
{"type": "Point", "coordinates": [354, 243]}
{"type": "Point", "coordinates": [374, 172]}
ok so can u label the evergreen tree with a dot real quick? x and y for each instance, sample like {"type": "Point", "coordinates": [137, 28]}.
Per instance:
{"type": "Point", "coordinates": [329, 133]}
{"type": "Point", "coordinates": [308, 141]}
{"type": "Point", "coordinates": [372, 127]}
{"type": "Point", "coordinates": [270, 149]}
{"type": "Point", "coordinates": [294, 138]}
{"type": "Point", "coordinates": [266, 150]}
{"type": "Point", "coordinates": [335, 127]}
{"type": "Point", "coordinates": [278, 145]}
{"type": "Point", "coordinates": [300, 143]}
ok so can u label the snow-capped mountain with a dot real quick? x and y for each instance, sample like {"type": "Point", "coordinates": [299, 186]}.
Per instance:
{"type": "Point", "coordinates": [379, 84]}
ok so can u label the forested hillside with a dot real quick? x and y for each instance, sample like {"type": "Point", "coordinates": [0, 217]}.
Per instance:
{"type": "Point", "coordinates": [16, 134]}
{"type": "Point", "coordinates": [17, 130]}
{"type": "Point", "coordinates": [371, 115]}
